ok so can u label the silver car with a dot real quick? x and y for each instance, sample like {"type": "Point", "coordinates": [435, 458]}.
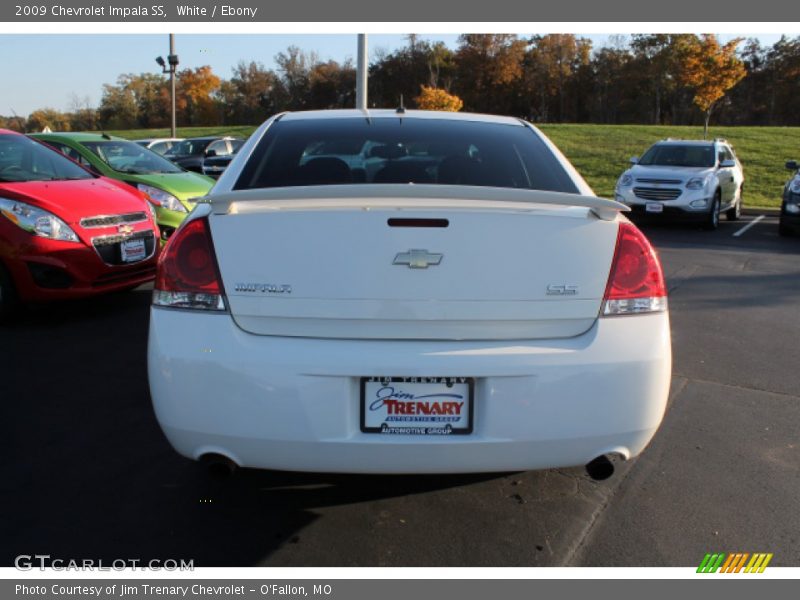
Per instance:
{"type": "Point", "coordinates": [687, 179]}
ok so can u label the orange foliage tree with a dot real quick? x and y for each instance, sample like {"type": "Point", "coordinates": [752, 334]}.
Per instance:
{"type": "Point", "coordinates": [194, 100]}
{"type": "Point", "coordinates": [431, 98]}
{"type": "Point", "coordinates": [710, 70]}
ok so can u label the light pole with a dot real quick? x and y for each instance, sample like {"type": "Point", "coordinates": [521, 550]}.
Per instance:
{"type": "Point", "coordinates": [361, 72]}
{"type": "Point", "coordinates": [169, 67]}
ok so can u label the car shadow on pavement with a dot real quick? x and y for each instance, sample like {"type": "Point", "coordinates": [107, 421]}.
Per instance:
{"type": "Point", "coordinates": [90, 475]}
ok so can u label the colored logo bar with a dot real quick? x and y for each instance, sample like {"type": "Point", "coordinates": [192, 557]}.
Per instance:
{"type": "Point", "coordinates": [735, 562]}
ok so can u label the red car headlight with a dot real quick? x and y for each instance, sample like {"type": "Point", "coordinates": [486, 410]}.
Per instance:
{"type": "Point", "coordinates": [36, 221]}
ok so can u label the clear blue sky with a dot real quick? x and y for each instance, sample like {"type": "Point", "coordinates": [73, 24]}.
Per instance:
{"type": "Point", "coordinates": [47, 70]}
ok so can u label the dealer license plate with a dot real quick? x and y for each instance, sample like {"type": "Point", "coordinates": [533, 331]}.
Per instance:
{"type": "Point", "coordinates": [654, 207]}
{"type": "Point", "coordinates": [132, 250]}
{"type": "Point", "coordinates": [417, 405]}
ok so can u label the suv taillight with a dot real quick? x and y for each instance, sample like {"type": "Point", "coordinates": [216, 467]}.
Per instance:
{"type": "Point", "coordinates": [188, 275]}
{"type": "Point", "coordinates": [636, 283]}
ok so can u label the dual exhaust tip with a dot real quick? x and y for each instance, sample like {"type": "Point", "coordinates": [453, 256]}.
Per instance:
{"type": "Point", "coordinates": [222, 467]}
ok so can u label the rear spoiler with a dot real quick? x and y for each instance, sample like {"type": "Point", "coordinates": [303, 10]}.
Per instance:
{"type": "Point", "coordinates": [412, 195]}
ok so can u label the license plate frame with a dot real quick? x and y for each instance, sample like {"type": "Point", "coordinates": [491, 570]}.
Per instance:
{"type": "Point", "coordinates": [654, 207]}
{"type": "Point", "coordinates": [423, 424]}
{"type": "Point", "coordinates": [134, 250]}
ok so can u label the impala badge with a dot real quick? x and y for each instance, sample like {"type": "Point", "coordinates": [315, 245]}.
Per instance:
{"type": "Point", "coordinates": [417, 259]}
{"type": "Point", "coordinates": [264, 288]}
{"type": "Point", "coordinates": [562, 290]}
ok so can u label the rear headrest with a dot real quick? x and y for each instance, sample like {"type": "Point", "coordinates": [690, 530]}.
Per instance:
{"type": "Point", "coordinates": [325, 170]}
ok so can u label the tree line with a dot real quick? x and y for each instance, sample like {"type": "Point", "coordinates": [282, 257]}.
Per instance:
{"type": "Point", "coordinates": [679, 79]}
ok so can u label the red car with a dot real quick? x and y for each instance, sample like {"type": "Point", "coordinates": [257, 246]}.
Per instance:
{"type": "Point", "coordinates": [66, 232]}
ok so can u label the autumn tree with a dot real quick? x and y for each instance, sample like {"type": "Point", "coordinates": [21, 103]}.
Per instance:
{"type": "Point", "coordinates": [710, 70]}
{"type": "Point", "coordinates": [431, 98]}
{"type": "Point", "coordinates": [294, 68]}
{"type": "Point", "coordinates": [488, 66]}
{"type": "Point", "coordinates": [756, 99]}
{"type": "Point", "coordinates": [332, 85]}
{"type": "Point", "coordinates": [47, 117]}
{"type": "Point", "coordinates": [82, 116]}
{"type": "Point", "coordinates": [249, 95]}
{"type": "Point", "coordinates": [610, 67]}
{"type": "Point", "coordinates": [194, 95]}
{"type": "Point", "coordinates": [782, 81]}
{"type": "Point", "coordinates": [134, 101]}
{"type": "Point", "coordinates": [657, 72]}
{"type": "Point", "coordinates": [550, 63]}
{"type": "Point", "coordinates": [118, 107]}
{"type": "Point", "coordinates": [647, 78]}
{"type": "Point", "coordinates": [14, 123]}
{"type": "Point", "coordinates": [402, 72]}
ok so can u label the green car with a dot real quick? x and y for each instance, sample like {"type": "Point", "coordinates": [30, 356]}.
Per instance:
{"type": "Point", "coordinates": [169, 187]}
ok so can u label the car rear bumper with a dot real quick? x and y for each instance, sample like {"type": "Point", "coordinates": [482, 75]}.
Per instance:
{"type": "Point", "coordinates": [293, 403]}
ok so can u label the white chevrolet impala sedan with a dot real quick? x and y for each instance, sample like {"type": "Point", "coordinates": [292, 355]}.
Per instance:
{"type": "Point", "coordinates": [407, 292]}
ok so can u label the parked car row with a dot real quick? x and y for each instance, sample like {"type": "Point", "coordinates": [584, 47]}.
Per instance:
{"type": "Point", "coordinates": [215, 165]}
{"type": "Point", "coordinates": [84, 213]}
{"type": "Point", "coordinates": [691, 180]}
{"type": "Point", "coordinates": [208, 155]}
{"type": "Point", "coordinates": [158, 145]}
{"type": "Point", "coordinates": [191, 153]}
{"type": "Point", "coordinates": [67, 231]}
{"type": "Point", "coordinates": [170, 189]}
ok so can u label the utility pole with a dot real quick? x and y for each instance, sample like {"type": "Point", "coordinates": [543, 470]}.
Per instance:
{"type": "Point", "coordinates": [361, 72]}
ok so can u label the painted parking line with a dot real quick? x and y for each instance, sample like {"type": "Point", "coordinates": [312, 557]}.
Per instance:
{"type": "Point", "coordinates": [748, 226]}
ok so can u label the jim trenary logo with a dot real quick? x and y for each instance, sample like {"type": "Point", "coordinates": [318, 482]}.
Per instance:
{"type": "Point", "coordinates": [734, 562]}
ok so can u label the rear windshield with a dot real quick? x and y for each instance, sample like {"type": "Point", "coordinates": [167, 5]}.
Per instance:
{"type": "Point", "coordinates": [22, 159]}
{"type": "Point", "coordinates": [395, 150]}
{"type": "Point", "coordinates": [676, 155]}
{"type": "Point", "coordinates": [128, 157]}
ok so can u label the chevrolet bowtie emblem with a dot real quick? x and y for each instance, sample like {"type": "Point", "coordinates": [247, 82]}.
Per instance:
{"type": "Point", "coordinates": [125, 229]}
{"type": "Point", "coordinates": [417, 259]}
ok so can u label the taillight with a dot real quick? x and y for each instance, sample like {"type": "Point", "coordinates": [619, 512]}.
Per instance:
{"type": "Point", "coordinates": [188, 276]}
{"type": "Point", "coordinates": [636, 282]}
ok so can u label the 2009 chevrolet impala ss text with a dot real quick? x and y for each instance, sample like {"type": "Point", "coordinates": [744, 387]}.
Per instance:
{"type": "Point", "coordinates": [460, 302]}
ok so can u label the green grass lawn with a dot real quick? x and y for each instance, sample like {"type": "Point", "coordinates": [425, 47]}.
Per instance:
{"type": "Point", "coordinates": [601, 152]}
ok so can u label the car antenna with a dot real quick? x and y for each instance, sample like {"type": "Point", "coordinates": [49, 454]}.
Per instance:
{"type": "Point", "coordinates": [105, 136]}
{"type": "Point", "coordinates": [401, 109]}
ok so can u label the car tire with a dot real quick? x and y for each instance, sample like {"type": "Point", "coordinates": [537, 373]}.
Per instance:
{"type": "Point", "coordinates": [9, 301]}
{"type": "Point", "coordinates": [712, 220]}
{"type": "Point", "coordinates": [784, 230]}
{"type": "Point", "coordinates": [735, 211]}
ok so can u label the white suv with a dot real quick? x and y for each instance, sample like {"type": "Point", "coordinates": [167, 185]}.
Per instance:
{"type": "Point", "coordinates": [687, 179]}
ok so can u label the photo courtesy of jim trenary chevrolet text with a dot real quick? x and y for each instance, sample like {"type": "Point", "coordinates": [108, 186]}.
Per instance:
{"type": "Point", "coordinates": [339, 300]}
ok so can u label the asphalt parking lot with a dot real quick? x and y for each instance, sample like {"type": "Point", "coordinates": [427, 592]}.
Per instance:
{"type": "Point", "coordinates": [88, 473]}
